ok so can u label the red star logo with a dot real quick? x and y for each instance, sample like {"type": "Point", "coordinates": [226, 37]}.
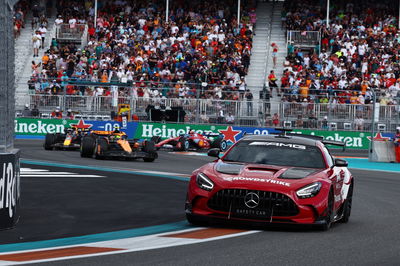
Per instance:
{"type": "Point", "coordinates": [230, 134]}
{"type": "Point", "coordinates": [81, 124]}
{"type": "Point", "coordinates": [379, 137]}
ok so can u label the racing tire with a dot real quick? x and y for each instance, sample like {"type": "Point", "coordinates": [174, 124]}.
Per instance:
{"type": "Point", "coordinates": [49, 141]}
{"type": "Point", "coordinates": [220, 143]}
{"type": "Point", "coordinates": [102, 143]}
{"type": "Point", "coordinates": [87, 147]}
{"type": "Point", "coordinates": [347, 206]}
{"type": "Point", "coordinates": [150, 148]}
{"type": "Point", "coordinates": [329, 216]}
{"type": "Point", "coordinates": [185, 144]}
{"type": "Point", "coordinates": [59, 137]}
{"type": "Point", "coordinates": [196, 221]}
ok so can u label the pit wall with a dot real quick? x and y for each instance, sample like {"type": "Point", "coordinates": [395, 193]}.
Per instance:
{"type": "Point", "coordinates": [30, 128]}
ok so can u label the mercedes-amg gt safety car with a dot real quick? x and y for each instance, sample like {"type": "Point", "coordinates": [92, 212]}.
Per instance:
{"type": "Point", "coordinates": [192, 141]}
{"type": "Point", "coordinates": [69, 140]}
{"type": "Point", "coordinates": [115, 144]}
{"type": "Point", "coordinates": [280, 178]}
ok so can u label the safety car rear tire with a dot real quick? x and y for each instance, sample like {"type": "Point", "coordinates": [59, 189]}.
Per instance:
{"type": "Point", "coordinates": [49, 141]}
{"type": "Point", "coordinates": [87, 147]}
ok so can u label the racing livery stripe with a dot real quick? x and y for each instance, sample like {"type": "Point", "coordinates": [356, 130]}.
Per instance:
{"type": "Point", "coordinates": [54, 253]}
{"type": "Point", "coordinates": [189, 236]}
{"type": "Point", "coordinates": [206, 233]}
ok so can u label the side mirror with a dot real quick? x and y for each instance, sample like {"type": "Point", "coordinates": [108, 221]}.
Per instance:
{"type": "Point", "coordinates": [340, 163]}
{"type": "Point", "coordinates": [213, 152]}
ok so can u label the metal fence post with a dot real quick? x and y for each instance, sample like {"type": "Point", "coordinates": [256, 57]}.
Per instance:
{"type": "Point", "coordinates": [372, 124]}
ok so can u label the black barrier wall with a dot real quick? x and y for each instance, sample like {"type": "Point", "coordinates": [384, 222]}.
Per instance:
{"type": "Point", "coordinates": [9, 189]}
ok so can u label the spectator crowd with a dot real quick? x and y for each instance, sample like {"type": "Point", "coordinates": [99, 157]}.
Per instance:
{"type": "Point", "coordinates": [359, 52]}
{"type": "Point", "coordinates": [201, 52]}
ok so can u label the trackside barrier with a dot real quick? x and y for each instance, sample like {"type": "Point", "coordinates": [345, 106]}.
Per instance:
{"type": "Point", "coordinates": [33, 128]}
{"type": "Point", "coordinates": [383, 152]}
{"type": "Point", "coordinates": [9, 189]}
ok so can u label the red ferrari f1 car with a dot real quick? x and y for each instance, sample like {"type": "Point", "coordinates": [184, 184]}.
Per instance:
{"type": "Point", "coordinates": [192, 141]}
{"type": "Point", "coordinates": [272, 179]}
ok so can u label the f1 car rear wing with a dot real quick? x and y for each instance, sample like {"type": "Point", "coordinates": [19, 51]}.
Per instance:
{"type": "Point", "coordinates": [211, 134]}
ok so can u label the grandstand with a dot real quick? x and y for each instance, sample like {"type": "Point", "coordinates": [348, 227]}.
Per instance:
{"type": "Point", "coordinates": [202, 58]}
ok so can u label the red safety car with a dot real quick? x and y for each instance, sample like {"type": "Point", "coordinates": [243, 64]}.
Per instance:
{"type": "Point", "coordinates": [192, 141]}
{"type": "Point", "coordinates": [272, 179]}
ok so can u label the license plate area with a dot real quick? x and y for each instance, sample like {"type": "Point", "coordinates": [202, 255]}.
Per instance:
{"type": "Point", "coordinates": [251, 213]}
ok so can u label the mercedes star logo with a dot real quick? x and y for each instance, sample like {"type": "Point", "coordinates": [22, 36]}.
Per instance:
{"type": "Point", "coordinates": [251, 200]}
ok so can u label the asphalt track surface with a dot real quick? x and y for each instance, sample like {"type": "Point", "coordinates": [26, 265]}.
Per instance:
{"type": "Point", "coordinates": [371, 237]}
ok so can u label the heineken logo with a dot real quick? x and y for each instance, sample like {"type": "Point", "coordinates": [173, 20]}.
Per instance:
{"type": "Point", "coordinates": [33, 126]}
{"type": "Point", "coordinates": [149, 130]}
{"type": "Point", "coordinates": [355, 142]}
{"type": "Point", "coordinates": [351, 141]}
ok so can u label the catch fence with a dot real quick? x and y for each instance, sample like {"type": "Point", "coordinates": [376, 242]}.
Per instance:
{"type": "Point", "coordinates": [334, 116]}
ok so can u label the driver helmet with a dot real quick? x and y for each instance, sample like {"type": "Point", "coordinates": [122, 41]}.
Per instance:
{"type": "Point", "coordinates": [191, 131]}
{"type": "Point", "coordinates": [116, 127]}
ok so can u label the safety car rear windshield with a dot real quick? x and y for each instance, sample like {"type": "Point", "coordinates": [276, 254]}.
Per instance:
{"type": "Point", "coordinates": [276, 153]}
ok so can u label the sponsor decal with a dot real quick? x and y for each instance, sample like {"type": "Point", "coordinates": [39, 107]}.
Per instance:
{"type": "Point", "coordinates": [148, 130]}
{"type": "Point", "coordinates": [261, 180]}
{"type": "Point", "coordinates": [278, 144]}
{"type": "Point", "coordinates": [25, 126]}
{"type": "Point", "coordinates": [230, 134]}
{"type": "Point", "coordinates": [9, 188]}
{"type": "Point", "coordinates": [379, 137]}
{"type": "Point", "coordinates": [81, 125]}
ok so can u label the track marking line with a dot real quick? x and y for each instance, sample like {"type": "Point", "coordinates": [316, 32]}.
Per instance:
{"type": "Point", "coordinates": [33, 170]}
{"type": "Point", "coordinates": [175, 176]}
{"type": "Point", "coordinates": [45, 173]}
{"type": "Point", "coordinates": [54, 253]}
{"type": "Point", "coordinates": [66, 176]}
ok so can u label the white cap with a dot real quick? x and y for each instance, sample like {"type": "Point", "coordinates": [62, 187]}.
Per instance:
{"type": "Point", "coordinates": [26, 105]}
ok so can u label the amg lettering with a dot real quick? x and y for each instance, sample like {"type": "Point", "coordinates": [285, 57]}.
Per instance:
{"type": "Point", "coordinates": [279, 144]}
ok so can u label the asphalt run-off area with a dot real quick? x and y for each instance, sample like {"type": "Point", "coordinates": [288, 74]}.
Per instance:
{"type": "Point", "coordinates": [75, 209]}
